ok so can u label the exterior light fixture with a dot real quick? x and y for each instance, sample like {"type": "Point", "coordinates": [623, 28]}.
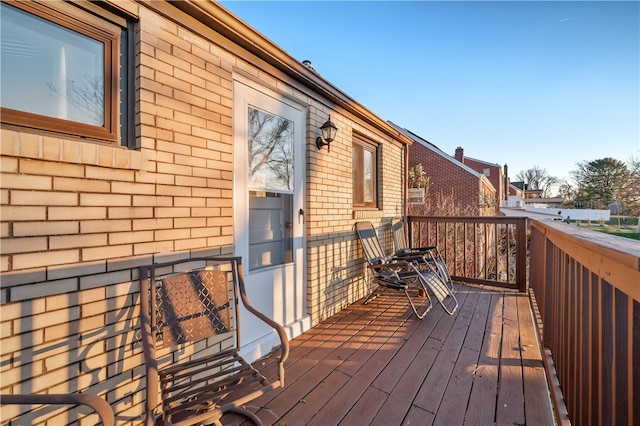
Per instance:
{"type": "Point", "coordinates": [328, 130]}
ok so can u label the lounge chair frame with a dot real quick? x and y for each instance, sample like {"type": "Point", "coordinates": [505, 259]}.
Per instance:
{"type": "Point", "coordinates": [388, 272]}
{"type": "Point", "coordinates": [190, 326]}
{"type": "Point", "coordinates": [426, 259]}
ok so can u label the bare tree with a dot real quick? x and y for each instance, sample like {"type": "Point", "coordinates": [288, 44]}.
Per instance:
{"type": "Point", "coordinates": [538, 179]}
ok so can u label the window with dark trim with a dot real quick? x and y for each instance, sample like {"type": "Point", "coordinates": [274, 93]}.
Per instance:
{"type": "Point", "coordinates": [65, 73]}
{"type": "Point", "coordinates": [365, 172]}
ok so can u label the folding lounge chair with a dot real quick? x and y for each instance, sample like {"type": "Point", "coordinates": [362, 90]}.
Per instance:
{"type": "Point", "coordinates": [190, 334]}
{"type": "Point", "coordinates": [431, 254]}
{"type": "Point", "coordinates": [430, 262]}
{"type": "Point", "coordinates": [401, 273]}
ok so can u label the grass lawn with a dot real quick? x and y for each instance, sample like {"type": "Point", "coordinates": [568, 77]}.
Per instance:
{"type": "Point", "coordinates": [627, 231]}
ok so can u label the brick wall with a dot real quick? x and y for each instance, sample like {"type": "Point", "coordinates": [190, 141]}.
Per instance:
{"type": "Point", "coordinates": [495, 177]}
{"type": "Point", "coordinates": [446, 178]}
{"type": "Point", "coordinates": [78, 218]}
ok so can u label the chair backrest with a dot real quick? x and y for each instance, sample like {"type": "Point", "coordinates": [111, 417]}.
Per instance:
{"type": "Point", "coordinates": [188, 301]}
{"type": "Point", "coordinates": [397, 232]}
{"type": "Point", "coordinates": [370, 243]}
{"type": "Point", "coordinates": [192, 306]}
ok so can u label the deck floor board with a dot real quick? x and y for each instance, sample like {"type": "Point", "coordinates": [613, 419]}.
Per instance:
{"type": "Point", "coordinates": [376, 364]}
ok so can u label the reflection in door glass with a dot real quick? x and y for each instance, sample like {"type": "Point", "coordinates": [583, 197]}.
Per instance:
{"type": "Point", "coordinates": [271, 186]}
{"type": "Point", "coordinates": [270, 151]}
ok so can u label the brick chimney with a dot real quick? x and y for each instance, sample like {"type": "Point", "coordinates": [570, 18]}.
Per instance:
{"type": "Point", "coordinates": [460, 154]}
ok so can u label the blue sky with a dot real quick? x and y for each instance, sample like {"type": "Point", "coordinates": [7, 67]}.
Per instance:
{"type": "Point", "coordinates": [545, 84]}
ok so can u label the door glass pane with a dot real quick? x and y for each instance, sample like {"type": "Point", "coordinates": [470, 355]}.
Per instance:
{"type": "Point", "coordinates": [271, 186]}
{"type": "Point", "coordinates": [50, 70]}
{"type": "Point", "coordinates": [270, 151]}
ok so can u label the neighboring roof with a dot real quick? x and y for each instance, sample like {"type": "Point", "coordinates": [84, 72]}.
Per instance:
{"type": "Point", "coordinates": [432, 147]}
{"type": "Point", "coordinates": [482, 161]}
{"type": "Point", "coordinates": [216, 17]}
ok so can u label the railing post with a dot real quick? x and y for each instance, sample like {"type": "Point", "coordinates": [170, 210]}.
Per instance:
{"type": "Point", "coordinates": [521, 254]}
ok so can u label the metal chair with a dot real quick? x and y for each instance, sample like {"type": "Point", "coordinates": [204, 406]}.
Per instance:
{"type": "Point", "coordinates": [191, 338]}
{"type": "Point", "coordinates": [431, 254]}
{"type": "Point", "coordinates": [392, 273]}
{"type": "Point", "coordinates": [428, 267]}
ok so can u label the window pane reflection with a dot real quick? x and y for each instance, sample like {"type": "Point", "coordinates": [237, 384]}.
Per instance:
{"type": "Point", "coordinates": [50, 70]}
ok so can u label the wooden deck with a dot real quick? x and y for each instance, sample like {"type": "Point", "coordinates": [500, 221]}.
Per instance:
{"type": "Point", "coordinates": [377, 364]}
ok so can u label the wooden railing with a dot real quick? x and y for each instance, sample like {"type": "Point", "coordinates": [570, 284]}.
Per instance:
{"type": "Point", "coordinates": [587, 289]}
{"type": "Point", "coordinates": [484, 250]}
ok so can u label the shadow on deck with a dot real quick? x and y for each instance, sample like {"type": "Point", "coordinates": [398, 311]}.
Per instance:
{"type": "Point", "coordinates": [376, 364]}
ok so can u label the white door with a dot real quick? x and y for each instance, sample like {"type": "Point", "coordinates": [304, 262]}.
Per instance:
{"type": "Point", "coordinates": [269, 162]}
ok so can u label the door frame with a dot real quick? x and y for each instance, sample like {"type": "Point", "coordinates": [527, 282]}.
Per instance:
{"type": "Point", "coordinates": [286, 298]}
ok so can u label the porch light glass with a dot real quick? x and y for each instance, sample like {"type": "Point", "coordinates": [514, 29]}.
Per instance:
{"type": "Point", "coordinates": [328, 131]}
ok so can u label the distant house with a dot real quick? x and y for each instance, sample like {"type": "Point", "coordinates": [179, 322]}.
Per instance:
{"type": "Point", "coordinates": [494, 172]}
{"type": "Point", "coordinates": [471, 191]}
{"type": "Point", "coordinates": [136, 137]}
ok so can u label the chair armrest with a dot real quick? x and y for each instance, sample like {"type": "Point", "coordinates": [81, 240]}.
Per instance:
{"type": "Point", "coordinates": [98, 404]}
{"type": "Point", "coordinates": [284, 339]}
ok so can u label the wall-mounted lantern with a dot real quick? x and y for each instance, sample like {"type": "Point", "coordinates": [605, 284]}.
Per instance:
{"type": "Point", "coordinates": [329, 131]}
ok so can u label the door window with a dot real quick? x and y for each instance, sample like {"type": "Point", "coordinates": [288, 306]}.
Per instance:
{"type": "Point", "coordinates": [271, 188]}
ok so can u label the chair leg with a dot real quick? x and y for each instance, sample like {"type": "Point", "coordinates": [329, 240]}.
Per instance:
{"type": "Point", "coordinates": [440, 289]}
{"type": "Point", "coordinates": [426, 295]}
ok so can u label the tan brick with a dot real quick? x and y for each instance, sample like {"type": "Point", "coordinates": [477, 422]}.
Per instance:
{"type": "Point", "coordinates": [16, 343]}
{"type": "Point", "coordinates": [205, 211]}
{"type": "Point", "coordinates": [132, 188]}
{"type": "Point", "coordinates": [4, 230]}
{"type": "Point", "coordinates": [110, 278]}
{"type": "Point", "coordinates": [110, 174]}
{"type": "Point", "coordinates": [46, 319]}
{"type": "Point", "coordinates": [51, 148]}
{"type": "Point", "coordinates": [32, 229]}
{"type": "Point", "coordinates": [77, 241]}
{"type": "Point", "coordinates": [81, 185]}
{"type": "Point", "coordinates": [98, 253]}
{"type": "Point", "coordinates": [144, 224]}
{"type": "Point", "coordinates": [174, 169]}
{"type": "Point", "coordinates": [90, 295]}
{"type": "Point", "coordinates": [190, 181]}
{"type": "Point", "coordinates": [8, 165]}
{"type": "Point", "coordinates": [30, 145]}
{"type": "Point", "coordinates": [49, 168]}
{"type": "Point", "coordinates": [48, 259]}
{"type": "Point", "coordinates": [9, 142]}
{"type": "Point", "coordinates": [189, 222]}
{"type": "Point", "coordinates": [205, 232]}
{"type": "Point", "coordinates": [105, 200]}
{"type": "Point", "coordinates": [172, 234]}
{"type": "Point", "coordinates": [130, 212]}
{"type": "Point", "coordinates": [151, 200]}
{"type": "Point", "coordinates": [48, 288]}
{"type": "Point", "coordinates": [24, 181]}
{"type": "Point", "coordinates": [190, 244]}
{"type": "Point", "coordinates": [130, 237]}
{"type": "Point", "coordinates": [102, 305]}
{"type": "Point", "coordinates": [172, 212]}
{"type": "Point", "coordinates": [152, 248]}
{"type": "Point", "coordinates": [43, 198]}
{"type": "Point", "coordinates": [189, 202]}
{"type": "Point", "coordinates": [11, 213]}
{"type": "Point", "coordinates": [24, 245]}
{"type": "Point", "coordinates": [173, 190]}
{"type": "Point", "coordinates": [71, 213]}
{"type": "Point", "coordinates": [90, 226]}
